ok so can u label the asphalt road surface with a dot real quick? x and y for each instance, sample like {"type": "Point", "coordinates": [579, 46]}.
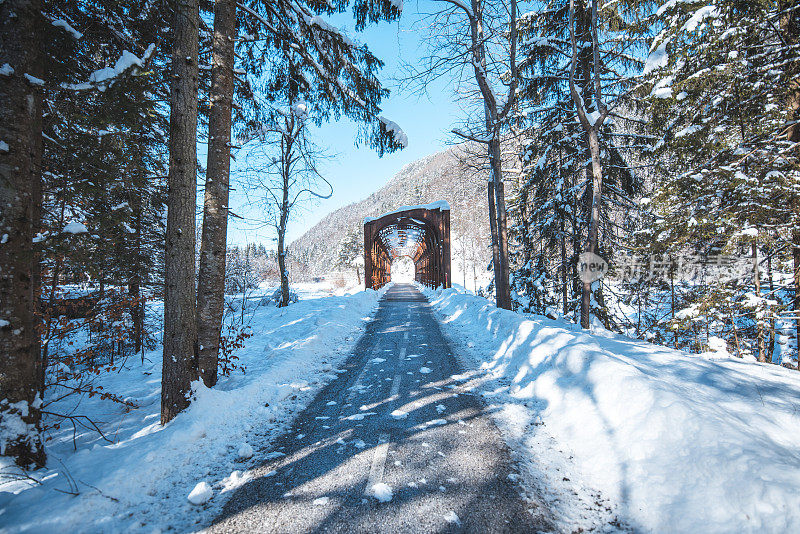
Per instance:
{"type": "Point", "coordinates": [396, 423]}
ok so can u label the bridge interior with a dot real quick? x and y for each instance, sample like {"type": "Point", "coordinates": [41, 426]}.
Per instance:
{"type": "Point", "coordinates": [420, 233]}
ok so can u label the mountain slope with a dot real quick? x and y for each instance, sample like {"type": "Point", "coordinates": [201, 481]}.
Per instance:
{"type": "Point", "coordinates": [440, 176]}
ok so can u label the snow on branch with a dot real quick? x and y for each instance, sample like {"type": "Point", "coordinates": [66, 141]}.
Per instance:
{"type": "Point", "coordinates": [101, 79]}
{"type": "Point", "coordinates": [63, 24]}
{"type": "Point", "coordinates": [394, 130]}
{"type": "Point", "coordinates": [657, 59]}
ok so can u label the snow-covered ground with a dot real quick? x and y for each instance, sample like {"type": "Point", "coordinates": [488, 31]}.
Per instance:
{"type": "Point", "coordinates": [603, 427]}
{"type": "Point", "coordinates": [608, 427]}
{"type": "Point", "coordinates": [142, 481]}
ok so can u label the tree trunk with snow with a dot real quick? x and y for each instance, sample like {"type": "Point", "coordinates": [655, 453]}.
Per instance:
{"type": "Point", "coordinates": [790, 30]}
{"type": "Point", "coordinates": [762, 349]}
{"type": "Point", "coordinates": [180, 334]}
{"type": "Point", "coordinates": [213, 244]}
{"type": "Point", "coordinates": [497, 208]}
{"type": "Point", "coordinates": [564, 271]}
{"type": "Point", "coordinates": [283, 218]}
{"type": "Point", "coordinates": [594, 219]}
{"type": "Point", "coordinates": [796, 267]}
{"type": "Point", "coordinates": [20, 196]}
{"type": "Point", "coordinates": [135, 282]}
{"type": "Point", "coordinates": [502, 287]}
{"type": "Point", "coordinates": [771, 343]}
{"type": "Point", "coordinates": [563, 242]}
{"type": "Point", "coordinates": [493, 233]}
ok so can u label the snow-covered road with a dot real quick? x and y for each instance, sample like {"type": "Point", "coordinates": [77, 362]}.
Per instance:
{"type": "Point", "coordinates": [395, 444]}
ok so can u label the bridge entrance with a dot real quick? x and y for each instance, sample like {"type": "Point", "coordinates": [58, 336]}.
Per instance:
{"type": "Point", "coordinates": [421, 233]}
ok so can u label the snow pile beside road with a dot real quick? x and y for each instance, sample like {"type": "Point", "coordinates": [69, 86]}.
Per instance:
{"type": "Point", "coordinates": [675, 443]}
{"type": "Point", "coordinates": [156, 477]}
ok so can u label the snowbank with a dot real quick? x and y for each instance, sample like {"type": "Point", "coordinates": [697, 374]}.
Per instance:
{"type": "Point", "coordinates": [152, 476]}
{"type": "Point", "coordinates": [673, 443]}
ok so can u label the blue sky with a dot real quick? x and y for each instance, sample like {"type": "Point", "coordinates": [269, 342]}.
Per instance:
{"type": "Point", "coordinates": [357, 172]}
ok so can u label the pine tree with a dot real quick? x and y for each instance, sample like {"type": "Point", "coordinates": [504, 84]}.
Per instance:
{"type": "Point", "coordinates": [718, 77]}
{"type": "Point", "coordinates": [20, 196]}
{"type": "Point", "coordinates": [305, 59]}
{"type": "Point", "coordinates": [563, 203]}
{"type": "Point", "coordinates": [94, 143]}
{"type": "Point", "coordinates": [211, 276]}
{"type": "Point", "coordinates": [300, 46]}
{"type": "Point", "coordinates": [180, 329]}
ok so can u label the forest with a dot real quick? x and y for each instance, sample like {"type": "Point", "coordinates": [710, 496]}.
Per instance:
{"type": "Point", "coordinates": [661, 136]}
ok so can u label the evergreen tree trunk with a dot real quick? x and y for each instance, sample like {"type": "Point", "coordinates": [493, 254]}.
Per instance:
{"type": "Point", "coordinates": [563, 239]}
{"type": "Point", "coordinates": [20, 197]}
{"type": "Point", "coordinates": [790, 29]}
{"type": "Point", "coordinates": [211, 278]}
{"type": "Point", "coordinates": [771, 344]}
{"type": "Point", "coordinates": [180, 336]}
{"type": "Point", "coordinates": [594, 220]}
{"type": "Point", "coordinates": [672, 306]}
{"type": "Point", "coordinates": [796, 266]}
{"type": "Point", "coordinates": [576, 247]}
{"type": "Point", "coordinates": [794, 137]}
{"type": "Point", "coordinates": [135, 293]}
{"type": "Point", "coordinates": [762, 349]}
{"type": "Point", "coordinates": [135, 282]}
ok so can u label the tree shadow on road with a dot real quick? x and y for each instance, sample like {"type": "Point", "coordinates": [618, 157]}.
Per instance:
{"type": "Point", "coordinates": [320, 484]}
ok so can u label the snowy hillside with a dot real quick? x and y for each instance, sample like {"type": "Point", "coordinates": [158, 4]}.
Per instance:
{"type": "Point", "coordinates": [666, 441]}
{"type": "Point", "coordinates": [142, 478]}
{"type": "Point", "coordinates": [440, 176]}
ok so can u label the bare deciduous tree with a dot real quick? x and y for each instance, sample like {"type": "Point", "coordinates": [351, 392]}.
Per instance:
{"type": "Point", "coordinates": [476, 44]}
{"type": "Point", "coordinates": [283, 166]}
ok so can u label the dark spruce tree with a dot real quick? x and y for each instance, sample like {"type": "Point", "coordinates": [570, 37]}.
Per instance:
{"type": "Point", "coordinates": [572, 197]}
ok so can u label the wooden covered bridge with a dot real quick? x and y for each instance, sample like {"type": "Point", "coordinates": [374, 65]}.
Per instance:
{"type": "Point", "coordinates": [421, 233]}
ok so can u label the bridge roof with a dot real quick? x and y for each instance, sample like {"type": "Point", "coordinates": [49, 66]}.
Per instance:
{"type": "Point", "coordinates": [441, 205]}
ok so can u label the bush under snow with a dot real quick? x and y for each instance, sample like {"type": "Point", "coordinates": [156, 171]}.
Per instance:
{"type": "Point", "coordinates": [275, 299]}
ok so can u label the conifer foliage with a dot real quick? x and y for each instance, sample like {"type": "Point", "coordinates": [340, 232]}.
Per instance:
{"type": "Point", "coordinates": [574, 97]}
{"type": "Point", "coordinates": [721, 78]}
{"type": "Point", "coordinates": [106, 101]}
{"type": "Point", "coordinates": [694, 106]}
{"type": "Point", "coordinates": [94, 201]}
